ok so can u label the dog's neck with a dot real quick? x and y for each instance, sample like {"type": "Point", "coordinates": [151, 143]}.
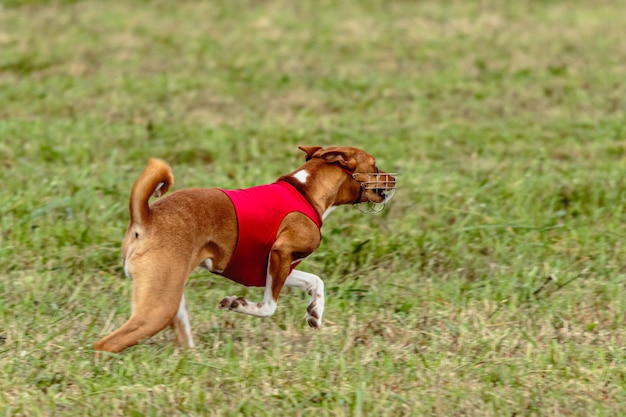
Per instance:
{"type": "Point", "coordinates": [321, 184]}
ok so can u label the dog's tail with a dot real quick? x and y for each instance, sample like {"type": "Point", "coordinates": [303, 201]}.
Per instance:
{"type": "Point", "coordinates": [155, 180]}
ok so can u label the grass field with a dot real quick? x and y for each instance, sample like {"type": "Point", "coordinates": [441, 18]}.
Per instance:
{"type": "Point", "coordinates": [492, 285]}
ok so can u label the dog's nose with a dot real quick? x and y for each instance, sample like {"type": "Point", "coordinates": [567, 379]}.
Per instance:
{"type": "Point", "coordinates": [385, 193]}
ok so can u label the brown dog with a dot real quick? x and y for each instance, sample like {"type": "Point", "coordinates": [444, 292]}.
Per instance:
{"type": "Point", "coordinates": [254, 236]}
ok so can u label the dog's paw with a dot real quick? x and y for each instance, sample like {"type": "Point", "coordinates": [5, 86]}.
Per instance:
{"type": "Point", "coordinates": [313, 318]}
{"type": "Point", "coordinates": [232, 303]}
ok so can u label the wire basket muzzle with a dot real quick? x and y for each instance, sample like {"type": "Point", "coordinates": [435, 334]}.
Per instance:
{"type": "Point", "coordinates": [380, 184]}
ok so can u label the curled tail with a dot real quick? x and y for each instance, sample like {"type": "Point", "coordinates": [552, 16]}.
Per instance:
{"type": "Point", "coordinates": [155, 180]}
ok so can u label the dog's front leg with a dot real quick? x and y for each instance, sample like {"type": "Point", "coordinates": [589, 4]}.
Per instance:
{"type": "Point", "coordinates": [314, 286]}
{"type": "Point", "coordinates": [277, 271]}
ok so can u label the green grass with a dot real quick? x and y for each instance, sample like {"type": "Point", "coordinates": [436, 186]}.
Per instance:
{"type": "Point", "coordinates": [492, 285]}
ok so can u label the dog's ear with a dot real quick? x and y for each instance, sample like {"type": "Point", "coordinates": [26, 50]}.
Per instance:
{"type": "Point", "coordinates": [331, 155]}
{"type": "Point", "coordinates": [309, 150]}
{"type": "Point", "coordinates": [343, 158]}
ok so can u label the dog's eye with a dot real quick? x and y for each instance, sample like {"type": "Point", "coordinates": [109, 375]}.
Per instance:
{"type": "Point", "coordinates": [136, 235]}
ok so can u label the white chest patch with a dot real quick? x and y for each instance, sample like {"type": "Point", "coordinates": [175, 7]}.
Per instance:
{"type": "Point", "coordinates": [301, 176]}
{"type": "Point", "coordinates": [328, 211]}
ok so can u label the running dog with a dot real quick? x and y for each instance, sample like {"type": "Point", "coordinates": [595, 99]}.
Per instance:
{"type": "Point", "coordinates": [254, 236]}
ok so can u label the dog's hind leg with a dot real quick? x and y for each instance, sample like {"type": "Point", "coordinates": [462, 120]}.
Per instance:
{"type": "Point", "coordinates": [157, 297]}
{"type": "Point", "coordinates": [314, 286]}
{"type": "Point", "coordinates": [181, 325]}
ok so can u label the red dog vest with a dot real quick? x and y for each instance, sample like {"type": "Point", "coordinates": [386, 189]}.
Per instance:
{"type": "Point", "coordinates": [260, 210]}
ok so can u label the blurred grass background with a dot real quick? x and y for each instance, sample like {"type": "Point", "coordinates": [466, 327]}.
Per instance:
{"type": "Point", "coordinates": [493, 284]}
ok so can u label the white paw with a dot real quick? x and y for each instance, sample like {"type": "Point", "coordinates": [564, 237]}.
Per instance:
{"type": "Point", "coordinates": [232, 303]}
{"type": "Point", "coordinates": [313, 316]}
